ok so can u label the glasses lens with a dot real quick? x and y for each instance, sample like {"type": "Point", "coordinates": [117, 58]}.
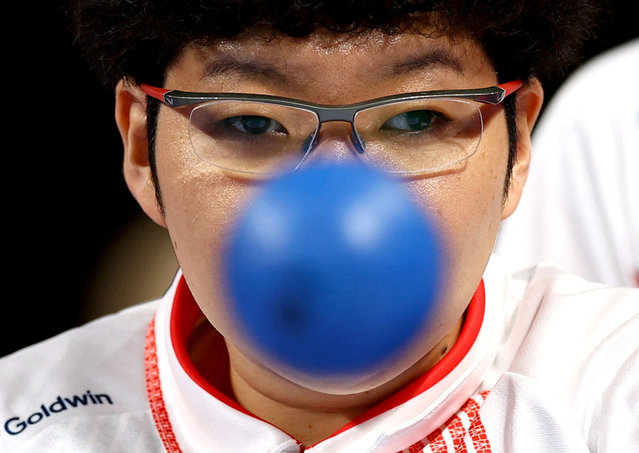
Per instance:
{"type": "Point", "coordinates": [420, 135]}
{"type": "Point", "coordinates": [251, 137]}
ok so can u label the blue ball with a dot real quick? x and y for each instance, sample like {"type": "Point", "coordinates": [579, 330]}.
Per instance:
{"type": "Point", "coordinates": [333, 269]}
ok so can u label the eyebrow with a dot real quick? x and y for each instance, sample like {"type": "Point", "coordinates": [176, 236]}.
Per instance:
{"type": "Point", "coordinates": [421, 62]}
{"type": "Point", "coordinates": [265, 72]}
{"type": "Point", "coordinates": [269, 73]}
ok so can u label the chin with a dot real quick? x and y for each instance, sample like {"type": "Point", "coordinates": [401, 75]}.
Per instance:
{"type": "Point", "coordinates": [348, 383]}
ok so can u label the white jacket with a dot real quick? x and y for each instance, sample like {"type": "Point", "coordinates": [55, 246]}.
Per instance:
{"type": "Point", "coordinates": [546, 362]}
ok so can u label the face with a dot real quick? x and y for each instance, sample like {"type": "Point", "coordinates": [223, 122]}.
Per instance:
{"type": "Point", "coordinates": [201, 202]}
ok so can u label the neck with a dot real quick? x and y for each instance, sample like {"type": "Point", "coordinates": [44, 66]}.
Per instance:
{"type": "Point", "coordinates": [307, 422]}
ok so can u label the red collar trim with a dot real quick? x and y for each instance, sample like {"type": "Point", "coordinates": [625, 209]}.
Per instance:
{"type": "Point", "coordinates": [186, 313]}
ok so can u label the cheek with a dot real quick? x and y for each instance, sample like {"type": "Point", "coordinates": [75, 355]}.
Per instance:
{"type": "Point", "coordinates": [467, 207]}
{"type": "Point", "coordinates": [200, 206]}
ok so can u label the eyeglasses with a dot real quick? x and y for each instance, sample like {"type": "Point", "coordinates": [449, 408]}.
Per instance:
{"type": "Point", "coordinates": [408, 133]}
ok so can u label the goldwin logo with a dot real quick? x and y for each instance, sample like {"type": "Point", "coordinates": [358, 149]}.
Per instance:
{"type": "Point", "coordinates": [16, 425]}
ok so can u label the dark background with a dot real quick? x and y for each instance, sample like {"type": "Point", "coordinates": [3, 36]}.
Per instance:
{"type": "Point", "coordinates": [74, 236]}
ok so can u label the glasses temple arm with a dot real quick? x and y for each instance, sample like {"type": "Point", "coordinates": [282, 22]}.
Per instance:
{"type": "Point", "coordinates": [510, 87]}
{"type": "Point", "coordinates": [154, 92]}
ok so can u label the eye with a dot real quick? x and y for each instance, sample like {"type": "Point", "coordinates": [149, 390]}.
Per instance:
{"type": "Point", "coordinates": [413, 121]}
{"type": "Point", "coordinates": [255, 125]}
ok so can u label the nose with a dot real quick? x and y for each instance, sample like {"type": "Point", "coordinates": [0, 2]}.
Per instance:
{"type": "Point", "coordinates": [335, 142]}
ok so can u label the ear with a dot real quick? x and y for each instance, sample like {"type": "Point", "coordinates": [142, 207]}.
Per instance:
{"type": "Point", "coordinates": [130, 116]}
{"type": "Point", "coordinates": [530, 98]}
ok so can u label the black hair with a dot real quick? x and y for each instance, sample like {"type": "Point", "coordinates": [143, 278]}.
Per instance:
{"type": "Point", "coordinates": [137, 40]}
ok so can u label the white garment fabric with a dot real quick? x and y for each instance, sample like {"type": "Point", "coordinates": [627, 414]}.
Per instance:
{"type": "Point", "coordinates": [580, 206]}
{"type": "Point", "coordinates": [554, 367]}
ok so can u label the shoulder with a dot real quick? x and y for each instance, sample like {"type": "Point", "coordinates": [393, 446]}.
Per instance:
{"type": "Point", "coordinates": [582, 350]}
{"type": "Point", "coordinates": [96, 370]}
{"type": "Point", "coordinates": [574, 316]}
{"type": "Point", "coordinates": [559, 315]}
{"type": "Point", "coordinates": [98, 343]}
{"type": "Point", "coordinates": [559, 289]}
{"type": "Point", "coordinates": [570, 363]}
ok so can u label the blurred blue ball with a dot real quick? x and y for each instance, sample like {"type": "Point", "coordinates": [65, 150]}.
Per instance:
{"type": "Point", "coordinates": [333, 269]}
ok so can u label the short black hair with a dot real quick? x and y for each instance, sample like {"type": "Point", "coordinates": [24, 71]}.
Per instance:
{"type": "Point", "coordinates": [138, 39]}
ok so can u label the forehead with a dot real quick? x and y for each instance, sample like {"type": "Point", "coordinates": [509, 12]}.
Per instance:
{"type": "Point", "coordinates": [409, 60]}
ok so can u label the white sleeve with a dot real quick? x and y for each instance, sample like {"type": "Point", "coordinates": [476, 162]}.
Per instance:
{"type": "Point", "coordinates": [613, 417]}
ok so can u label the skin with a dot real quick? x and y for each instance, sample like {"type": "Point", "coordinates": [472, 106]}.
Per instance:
{"type": "Point", "coordinates": [201, 202]}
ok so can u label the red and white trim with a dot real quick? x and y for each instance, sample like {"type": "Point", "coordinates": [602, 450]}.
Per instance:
{"type": "Point", "coordinates": [154, 394]}
{"type": "Point", "coordinates": [462, 433]}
